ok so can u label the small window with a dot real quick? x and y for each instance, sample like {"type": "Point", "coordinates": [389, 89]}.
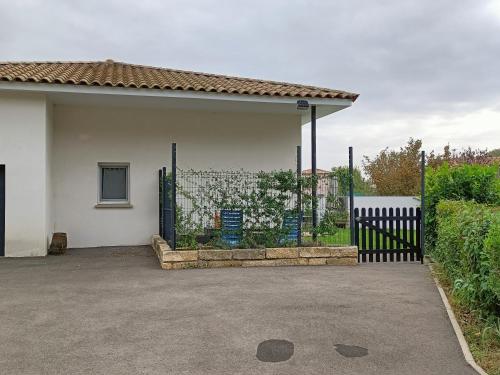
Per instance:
{"type": "Point", "coordinates": [113, 183]}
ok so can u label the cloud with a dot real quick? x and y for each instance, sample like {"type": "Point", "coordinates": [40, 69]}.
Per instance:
{"type": "Point", "coordinates": [477, 129]}
{"type": "Point", "coordinates": [424, 68]}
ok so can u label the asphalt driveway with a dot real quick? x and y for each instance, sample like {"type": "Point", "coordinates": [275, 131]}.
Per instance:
{"type": "Point", "coordinates": [114, 311]}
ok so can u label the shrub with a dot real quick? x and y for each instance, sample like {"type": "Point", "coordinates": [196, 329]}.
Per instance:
{"type": "Point", "coordinates": [492, 248]}
{"type": "Point", "coordinates": [468, 247]}
{"type": "Point", "coordinates": [465, 182]}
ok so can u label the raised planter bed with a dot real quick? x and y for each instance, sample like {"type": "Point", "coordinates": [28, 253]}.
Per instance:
{"type": "Point", "coordinates": [282, 256]}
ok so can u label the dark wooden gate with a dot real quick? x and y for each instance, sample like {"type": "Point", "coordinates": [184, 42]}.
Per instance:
{"type": "Point", "coordinates": [388, 234]}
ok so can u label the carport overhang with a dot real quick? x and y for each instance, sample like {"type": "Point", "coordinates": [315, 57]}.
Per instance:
{"type": "Point", "coordinates": [178, 99]}
{"type": "Point", "coordinates": [313, 108]}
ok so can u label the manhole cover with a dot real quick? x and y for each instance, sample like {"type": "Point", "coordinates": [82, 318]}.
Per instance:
{"type": "Point", "coordinates": [274, 350]}
{"type": "Point", "coordinates": [351, 351]}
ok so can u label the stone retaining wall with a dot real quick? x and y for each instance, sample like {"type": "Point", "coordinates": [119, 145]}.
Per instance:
{"type": "Point", "coordinates": [283, 256]}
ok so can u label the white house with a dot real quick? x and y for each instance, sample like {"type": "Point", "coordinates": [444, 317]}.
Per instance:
{"type": "Point", "coordinates": [81, 143]}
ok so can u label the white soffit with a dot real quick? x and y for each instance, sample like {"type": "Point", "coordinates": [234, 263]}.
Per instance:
{"type": "Point", "coordinates": [175, 99]}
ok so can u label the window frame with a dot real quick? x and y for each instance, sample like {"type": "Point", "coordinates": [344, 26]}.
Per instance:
{"type": "Point", "coordinates": [101, 202]}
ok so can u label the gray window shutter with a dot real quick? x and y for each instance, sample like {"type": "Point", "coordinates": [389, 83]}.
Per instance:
{"type": "Point", "coordinates": [114, 183]}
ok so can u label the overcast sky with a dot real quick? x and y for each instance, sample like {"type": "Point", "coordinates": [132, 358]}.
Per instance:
{"type": "Point", "coordinates": [428, 69]}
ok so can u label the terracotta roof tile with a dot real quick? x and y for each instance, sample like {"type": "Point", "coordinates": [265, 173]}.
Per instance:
{"type": "Point", "coordinates": [117, 74]}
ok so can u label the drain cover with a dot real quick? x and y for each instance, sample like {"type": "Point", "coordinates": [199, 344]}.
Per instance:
{"type": "Point", "coordinates": [351, 351]}
{"type": "Point", "coordinates": [274, 350]}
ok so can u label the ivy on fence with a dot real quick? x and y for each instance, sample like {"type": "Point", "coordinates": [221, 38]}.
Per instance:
{"type": "Point", "coordinates": [264, 198]}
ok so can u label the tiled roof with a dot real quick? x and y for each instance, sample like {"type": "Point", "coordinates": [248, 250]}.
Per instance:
{"type": "Point", "coordinates": [117, 74]}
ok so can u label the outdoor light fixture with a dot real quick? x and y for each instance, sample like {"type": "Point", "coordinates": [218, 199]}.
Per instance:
{"type": "Point", "coordinates": [302, 105]}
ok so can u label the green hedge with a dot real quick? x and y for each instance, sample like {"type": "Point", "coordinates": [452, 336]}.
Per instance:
{"type": "Point", "coordinates": [479, 183]}
{"type": "Point", "coordinates": [468, 248]}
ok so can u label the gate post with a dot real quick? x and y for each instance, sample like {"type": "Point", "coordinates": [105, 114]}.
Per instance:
{"type": "Point", "coordinates": [299, 196]}
{"type": "Point", "coordinates": [351, 196]}
{"type": "Point", "coordinates": [422, 208]}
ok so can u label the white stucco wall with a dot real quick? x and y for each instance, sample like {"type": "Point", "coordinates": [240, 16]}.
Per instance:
{"type": "Point", "coordinates": [85, 136]}
{"type": "Point", "coordinates": [23, 150]}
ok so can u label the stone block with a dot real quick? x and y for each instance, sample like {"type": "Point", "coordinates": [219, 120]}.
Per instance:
{"type": "Point", "coordinates": [258, 263]}
{"type": "Point", "coordinates": [178, 265]}
{"type": "Point", "coordinates": [157, 239]}
{"type": "Point", "coordinates": [317, 261]}
{"type": "Point", "coordinates": [342, 261]}
{"type": "Point", "coordinates": [286, 262]}
{"type": "Point", "coordinates": [280, 253]}
{"type": "Point", "coordinates": [180, 256]}
{"type": "Point", "coordinates": [303, 261]}
{"type": "Point", "coordinates": [223, 263]}
{"type": "Point", "coordinates": [163, 247]}
{"type": "Point", "coordinates": [202, 264]}
{"type": "Point", "coordinates": [246, 254]}
{"type": "Point", "coordinates": [344, 252]}
{"type": "Point", "coordinates": [215, 254]}
{"type": "Point", "coordinates": [314, 252]}
{"type": "Point", "coordinates": [154, 239]}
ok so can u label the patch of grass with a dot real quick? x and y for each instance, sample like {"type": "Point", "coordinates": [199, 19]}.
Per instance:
{"type": "Point", "coordinates": [341, 238]}
{"type": "Point", "coordinates": [483, 336]}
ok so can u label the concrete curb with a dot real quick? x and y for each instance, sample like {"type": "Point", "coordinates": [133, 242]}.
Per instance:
{"type": "Point", "coordinates": [456, 327]}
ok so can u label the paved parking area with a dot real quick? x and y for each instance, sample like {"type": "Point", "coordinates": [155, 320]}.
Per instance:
{"type": "Point", "coordinates": [114, 311]}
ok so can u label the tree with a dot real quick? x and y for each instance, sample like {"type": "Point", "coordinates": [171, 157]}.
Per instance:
{"type": "Point", "coordinates": [361, 185]}
{"type": "Point", "coordinates": [396, 172]}
{"type": "Point", "coordinates": [459, 157]}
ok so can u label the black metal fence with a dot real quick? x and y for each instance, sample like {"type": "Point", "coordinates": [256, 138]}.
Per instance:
{"type": "Point", "coordinates": [275, 208]}
{"type": "Point", "coordinates": [238, 208]}
{"type": "Point", "coordinates": [261, 200]}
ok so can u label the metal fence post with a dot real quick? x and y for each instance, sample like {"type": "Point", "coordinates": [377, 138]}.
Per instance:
{"type": "Point", "coordinates": [422, 207]}
{"type": "Point", "coordinates": [351, 196]}
{"type": "Point", "coordinates": [164, 200]}
{"type": "Point", "coordinates": [314, 174]}
{"type": "Point", "coordinates": [299, 195]}
{"type": "Point", "coordinates": [160, 200]}
{"type": "Point", "coordinates": [174, 196]}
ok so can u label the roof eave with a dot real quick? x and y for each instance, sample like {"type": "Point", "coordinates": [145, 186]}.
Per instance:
{"type": "Point", "coordinates": [146, 92]}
